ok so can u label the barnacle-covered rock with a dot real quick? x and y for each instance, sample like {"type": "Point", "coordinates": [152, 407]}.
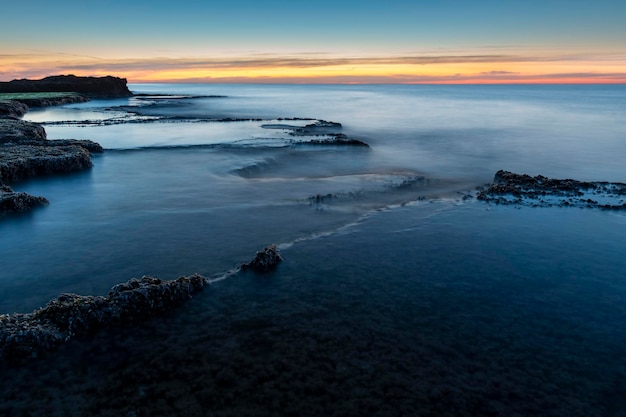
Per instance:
{"type": "Point", "coordinates": [70, 315]}
{"type": "Point", "coordinates": [264, 260]}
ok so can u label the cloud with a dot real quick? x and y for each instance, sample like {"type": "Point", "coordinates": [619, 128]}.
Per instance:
{"type": "Point", "coordinates": [312, 68]}
{"type": "Point", "coordinates": [498, 73]}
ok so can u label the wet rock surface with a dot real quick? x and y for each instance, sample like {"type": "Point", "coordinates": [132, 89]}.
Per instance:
{"type": "Point", "coordinates": [52, 101]}
{"type": "Point", "coordinates": [322, 131]}
{"type": "Point", "coordinates": [13, 202]}
{"type": "Point", "coordinates": [540, 191]}
{"type": "Point", "coordinates": [25, 161]}
{"type": "Point", "coordinates": [25, 152]}
{"type": "Point", "coordinates": [18, 130]}
{"type": "Point", "coordinates": [72, 315]}
{"type": "Point", "coordinates": [334, 139]}
{"type": "Point", "coordinates": [12, 109]}
{"type": "Point", "coordinates": [265, 260]}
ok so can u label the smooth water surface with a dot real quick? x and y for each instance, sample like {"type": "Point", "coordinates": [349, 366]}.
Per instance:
{"type": "Point", "coordinates": [397, 296]}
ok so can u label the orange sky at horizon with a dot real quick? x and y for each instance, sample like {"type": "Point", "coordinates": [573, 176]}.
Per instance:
{"type": "Point", "coordinates": [338, 41]}
{"type": "Point", "coordinates": [476, 67]}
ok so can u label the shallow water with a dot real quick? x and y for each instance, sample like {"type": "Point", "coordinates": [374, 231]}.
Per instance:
{"type": "Point", "coordinates": [396, 295]}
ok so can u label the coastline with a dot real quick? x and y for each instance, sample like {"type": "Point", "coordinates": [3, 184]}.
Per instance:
{"type": "Point", "coordinates": [25, 151]}
{"type": "Point", "coordinates": [506, 304]}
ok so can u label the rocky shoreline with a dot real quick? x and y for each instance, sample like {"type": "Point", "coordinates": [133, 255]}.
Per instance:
{"type": "Point", "coordinates": [25, 151]}
{"type": "Point", "coordinates": [70, 315]}
{"type": "Point", "coordinates": [509, 188]}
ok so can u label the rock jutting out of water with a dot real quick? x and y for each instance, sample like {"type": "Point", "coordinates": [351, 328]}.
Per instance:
{"type": "Point", "coordinates": [334, 139]}
{"type": "Point", "coordinates": [540, 191]}
{"type": "Point", "coordinates": [24, 150]}
{"type": "Point", "coordinates": [12, 202]}
{"type": "Point", "coordinates": [12, 109]}
{"type": "Point", "coordinates": [25, 161]}
{"type": "Point", "coordinates": [13, 131]}
{"type": "Point", "coordinates": [72, 315]}
{"type": "Point", "coordinates": [265, 260]}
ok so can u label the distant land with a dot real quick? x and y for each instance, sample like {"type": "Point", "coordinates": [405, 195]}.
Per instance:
{"type": "Point", "coordinates": [93, 87]}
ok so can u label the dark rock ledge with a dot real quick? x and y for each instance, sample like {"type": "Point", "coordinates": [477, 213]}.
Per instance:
{"type": "Point", "coordinates": [524, 190]}
{"type": "Point", "coordinates": [12, 202]}
{"type": "Point", "coordinates": [100, 87]}
{"type": "Point", "coordinates": [24, 150]}
{"type": "Point", "coordinates": [71, 315]}
{"type": "Point", "coordinates": [264, 261]}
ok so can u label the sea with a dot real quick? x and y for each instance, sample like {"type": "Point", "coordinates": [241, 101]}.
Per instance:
{"type": "Point", "coordinates": [400, 293]}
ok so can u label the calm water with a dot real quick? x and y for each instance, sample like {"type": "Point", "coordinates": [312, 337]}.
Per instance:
{"type": "Point", "coordinates": [468, 309]}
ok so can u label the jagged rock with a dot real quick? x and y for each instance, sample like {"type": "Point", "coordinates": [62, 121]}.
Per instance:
{"type": "Point", "coordinates": [12, 202]}
{"type": "Point", "coordinates": [89, 86]}
{"type": "Point", "coordinates": [56, 100]}
{"type": "Point", "coordinates": [91, 146]}
{"type": "Point", "coordinates": [19, 130]}
{"type": "Point", "coordinates": [23, 161]}
{"type": "Point", "coordinates": [511, 188]}
{"type": "Point", "coordinates": [265, 260]}
{"type": "Point", "coordinates": [71, 315]}
{"type": "Point", "coordinates": [335, 139]}
{"type": "Point", "coordinates": [12, 109]}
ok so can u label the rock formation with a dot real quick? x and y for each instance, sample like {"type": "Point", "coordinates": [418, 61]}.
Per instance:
{"type": "Point", "coordinates": [334, 139]}
{"type": "Point", "coordinates": [12, 202]}
{"type": "Point", "coordinates": [12, 109]}
{"type": "Point", "coordinates": [511, 188]}
{"type": "Point", "coordinates": [24, 150]}
{"type": "Point", "coordinates": [71, 315]}
{"type": "Point", "coordinates": [18, 130]}
{"type": "Point", "coordinates": [265, 260]}
{"type": "Point", "coordinates": [25, 161]}
{"type": "Point", "coordinates": [99, 87]}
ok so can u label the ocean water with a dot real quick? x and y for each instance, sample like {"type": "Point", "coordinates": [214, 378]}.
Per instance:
{"type": "Point", "coordinates": [397, 295]}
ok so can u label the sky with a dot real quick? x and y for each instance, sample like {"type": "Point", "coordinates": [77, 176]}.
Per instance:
{"type": "Point", "coordinates": [245, 41]}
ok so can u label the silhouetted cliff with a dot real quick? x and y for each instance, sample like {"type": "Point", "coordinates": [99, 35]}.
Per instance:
{"type": "Point", "coordinates": [97, 87]}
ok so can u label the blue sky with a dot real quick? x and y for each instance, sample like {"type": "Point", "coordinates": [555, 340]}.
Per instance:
{"type": "Point", "coordinates": [154, 31]}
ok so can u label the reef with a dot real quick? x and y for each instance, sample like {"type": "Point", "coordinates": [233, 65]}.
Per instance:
{"type": "Point", "coordinates": [334, 139]}
{"type": "Point", "coordinates": [24, 149]}
{"type": "Point", "coordinates": [265, 260]}
{"type": "Point", "coordinates": [25, 152]}
{"type": "Point", "coordinates": [13, 202]}
{"type": "Point", "coordinates": [539, 191]}
{"type": "Point", "coordinates": [93, 87]}
{"type": "Point", "coordinates": [15, 131]}
{"type": "Point", "coordinates": [12, 109]}
{"type": "Point", "coordinates": [18, 162]}
{"type": "Point", "coordinates": [70, 315]}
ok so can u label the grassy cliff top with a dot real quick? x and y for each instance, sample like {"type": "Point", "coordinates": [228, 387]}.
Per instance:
{"type": "Point", "coordinates": [36, 96]}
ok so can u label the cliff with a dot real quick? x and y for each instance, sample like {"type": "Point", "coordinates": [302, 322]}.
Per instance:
{"type": "Point", "coordinates": [94, 87]}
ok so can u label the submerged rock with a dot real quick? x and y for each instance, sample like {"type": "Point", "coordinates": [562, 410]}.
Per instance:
{"type": "Point", "coordinates": [71, 315]}
{"type": "Point", "coordinates": [12, 202]}
{"type": "Point", "coordinates": [265, 260]}
{"type": "Point", "coordinates": [511, 188]}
